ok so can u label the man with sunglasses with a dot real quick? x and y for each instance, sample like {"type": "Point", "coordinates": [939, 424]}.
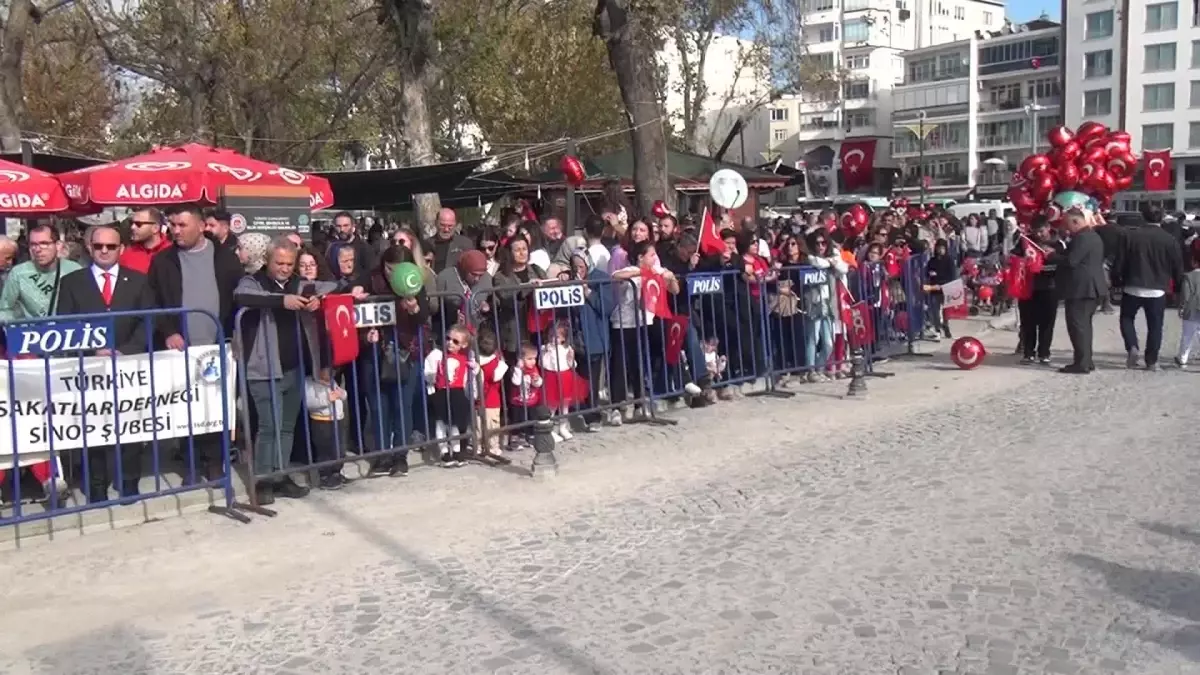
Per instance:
{"type": "Point", "coordinates": [105, 286]}
{"type": "Point", "coordinates": [147, 240]}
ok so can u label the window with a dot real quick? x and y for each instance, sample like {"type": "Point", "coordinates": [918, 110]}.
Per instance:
{"type": "Point", "coordinates": [1098, 25]}
{"type": "Point", "coordinates": [859, 119]}
{"type": "Point", "coordinates": [856, 30]}
{"type": "Point", "coordinates": [987, 18]}
{"type": "Point", "coordinates": [779, 114]}
{"type": "Point", "coordinates": [1043, 89]}
{"type": "Point", "coordinates": [859, 62]}
{"type": "Point", "coordinates": [1098, 64]}
{"type": "Point", "coordinates": [1159, 57]}
{"type": "Point", "coordinates": [855, 5]}
{"type": "Point", "coordinates": [858, 89]}
{"type": "Point", "coordinates": [818, 5]}
{"type": "Point", "coordinates": [779, 134]}
{"type": "Point", "coordinates": [1194, 135]}
{"type": "Point", "coordinates": [1162, 16]}
{"type": "Point", "coordinates": [1194, 96]}
{"type": "Point", "coordinates": [1097, 102]}
{"type": "Point", "coordinates": [819, 62]}
{"type": "Point", "coordinates": [1157, 136]}
{"type": "Point", "coordinates": [1196, 53]}
{"type": "Point", "coordinates": [825, 34]}
{"type": "Point", "coordinates": [1158, 97]}
{"type": "Point", "coordinates": [960, 13]}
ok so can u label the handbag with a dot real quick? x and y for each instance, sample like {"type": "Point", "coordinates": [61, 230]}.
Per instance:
{"type": "Point", "coordinates": [785, 302]}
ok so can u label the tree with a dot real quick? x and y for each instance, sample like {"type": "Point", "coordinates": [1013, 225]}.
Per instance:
{"type": "Point", "coordinates": [71, 94]}
{"type": "Point", "coordinates": [411, 23]}
{"type": "Point", "coordinates": [20, 16]}
{"type": "Point", "coordinates": [630, 31]}
{"type": "Point", "coordinates": [274, 78]}
{"type": "Point", "coordinates": [521, 83]}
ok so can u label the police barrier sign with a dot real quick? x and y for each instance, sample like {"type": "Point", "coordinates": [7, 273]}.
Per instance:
{"type": "Point", "coordinates": [814, 277]}
{"type": "Point", "coordinates": [374, 314]}
{"type": "Point", "coordinates": [704, 284]}
{"type": "Point", "coordinates": [63, 402]}
{"type": "Point", "coordinates": [58, 337]}
{"type": "Point", "coordinates": [558, 297]}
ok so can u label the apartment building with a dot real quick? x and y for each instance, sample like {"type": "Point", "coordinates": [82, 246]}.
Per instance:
{"type": "Point", "coordinates": [1136, 66]}
{"type": "Point", "coordinates": [968, 112]}
{"type": "Point", "coordinates": [866, 41]}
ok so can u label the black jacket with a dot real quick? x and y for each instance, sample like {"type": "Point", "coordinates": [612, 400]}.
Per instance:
{"type": "Point", "coordinates": [78, 293]}
{"type": "Point", "coordinates": [1148, 257]}
{"type": "Point", "coordinates": [1080, 274]}
{"type": "Point", "coordinates": [166, 281]}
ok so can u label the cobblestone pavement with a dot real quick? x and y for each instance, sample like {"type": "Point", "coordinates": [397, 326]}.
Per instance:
{"type": "Point", "coordinates": [1005, 520]}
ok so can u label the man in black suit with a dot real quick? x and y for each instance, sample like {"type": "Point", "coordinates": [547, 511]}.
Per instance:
{"type": "Point", "coordinates": [1147, 263]}
{"type": "Point", "coordinates": [104, 286]}
{"type": "Point", "coordinates": [1080, 281]}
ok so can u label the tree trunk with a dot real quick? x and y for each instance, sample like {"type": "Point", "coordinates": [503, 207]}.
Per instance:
{"type": "Point", "coordinates": [12, 93]}
{"type": "Point", "coordinates": [631, 54]}
{"type": "Point", "coordinates": [411, 22]}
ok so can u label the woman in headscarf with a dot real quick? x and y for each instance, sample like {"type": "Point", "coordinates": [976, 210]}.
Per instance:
{"type": "Point", "coordinates": [252, 251]}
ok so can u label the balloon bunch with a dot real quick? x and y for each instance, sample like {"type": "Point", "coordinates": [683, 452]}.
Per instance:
{"type": "Point", "coordinates": [912, 211]}
{"type": "Point", "coordinates": [660, 209]}
{"type": "Point", "coordinates": [854, 221]}
{"type": "Point", "coordinates": [1085, 168]}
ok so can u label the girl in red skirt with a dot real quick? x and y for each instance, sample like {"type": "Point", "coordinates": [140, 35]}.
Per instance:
{"type": "Point", "coordinates": [564, 388]}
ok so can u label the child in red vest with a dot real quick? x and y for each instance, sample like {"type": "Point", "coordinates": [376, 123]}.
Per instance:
{"type": "Point", "coordinates": [492, 368]}
{"type": "Point", "coordinates": [564, 387]}
{"type": "Point", "coordinates": [447, 371]}
{"type": "Point", "coordinates": [525, 396]}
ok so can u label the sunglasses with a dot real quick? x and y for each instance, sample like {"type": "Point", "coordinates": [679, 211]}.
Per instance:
{"type": "Point", "coordinates": [489, 247]}
{"type": "Point", "coordinates": [105, 247]}
{"type": "Point", "coordinates": [456, 342]}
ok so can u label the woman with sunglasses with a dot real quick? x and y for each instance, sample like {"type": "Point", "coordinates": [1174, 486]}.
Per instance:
{"type": "Point", "coordinates": [783, 302]}
{"type": "Point", "coordinates": [488, 241]}
{"type": "Point", "coordinates": [820, 305]}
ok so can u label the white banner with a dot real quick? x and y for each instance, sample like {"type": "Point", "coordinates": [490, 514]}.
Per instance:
{"type": "Point", "coordinates": [59, 402]}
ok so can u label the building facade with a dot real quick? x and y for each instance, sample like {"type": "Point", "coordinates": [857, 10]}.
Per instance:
{"type": "Point", "coordinates": [1136, 66]}
{"type": "Point", "coordinates": [968, 112]}
{"type": "Point", "coordinates": [866, 42]}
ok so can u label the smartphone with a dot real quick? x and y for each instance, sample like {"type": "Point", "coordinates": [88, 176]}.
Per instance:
{"type": "Point", "coordinates": [309, 290]}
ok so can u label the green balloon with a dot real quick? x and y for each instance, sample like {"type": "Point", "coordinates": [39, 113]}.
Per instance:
{"type": "Point", "coordinates": [1072, 199]}
{"type": "Point", "coordinates": [406, 279]}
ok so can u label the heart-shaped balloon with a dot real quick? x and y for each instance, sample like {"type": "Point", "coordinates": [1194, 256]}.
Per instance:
{"type": "Point", "coordinates": [1068, 176]}
{"type": "Point", "coordinates": [573, 170]}
{"type": "Point", "coordinates": [1089, 130]}
{"type": "Point", "coordinates": [1059, 136]}
{"type": "Point", "coordinates": [1041, 186]}
{"type": "Point", "coordinates": [1117, 167]}
{"type": "Point", "coordinates": [1118, 142]}
{"type": "Point", "coordinates": [1124, 182]}
{"type": "Point", "coordinates": [1101, 182]}
{"type": "Point", "coordinates": [1021, 199]}
{"type": "Point", "coordinates": [1033, 165]}
{"type": "Point", "coordinates": [1094, 155]}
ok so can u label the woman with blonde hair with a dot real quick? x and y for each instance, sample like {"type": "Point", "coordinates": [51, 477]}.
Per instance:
{"type": "Point", "coordinates": [406, 237]}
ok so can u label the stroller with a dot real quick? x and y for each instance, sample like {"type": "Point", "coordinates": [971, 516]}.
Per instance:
{"type": "Point", "coordinates": [984, 279]}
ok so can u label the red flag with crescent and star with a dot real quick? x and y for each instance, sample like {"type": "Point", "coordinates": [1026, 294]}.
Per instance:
{"type": "Point", "coordinates": [1158, 170]}
{"type": "Point", "coordinates": [654, 294]}
{"type": "Point", "coordinates": [710, 238]}
{"type": "Point", "coordinates": [339, 323]}
{"type": "Point", "coordinates": [675, 328]}
{"type": "Point", "coordinates": [858, 163]}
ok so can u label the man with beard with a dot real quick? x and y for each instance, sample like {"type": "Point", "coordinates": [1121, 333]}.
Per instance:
{"type": "Point", "coordinates": [558, 246]}
{"type": "Point", "coordinates": [346, 233]}
{"type": "Point", "coordinates": [447, 244]}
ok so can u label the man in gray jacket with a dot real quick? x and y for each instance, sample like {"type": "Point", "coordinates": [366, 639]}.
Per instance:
{"type": "Point", "coordinates": [279, 345]}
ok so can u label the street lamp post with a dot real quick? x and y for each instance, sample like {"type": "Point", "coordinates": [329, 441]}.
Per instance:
{"type": "Point", "coordinates": [1032, 109]}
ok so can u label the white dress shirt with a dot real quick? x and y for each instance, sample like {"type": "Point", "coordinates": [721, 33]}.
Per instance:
{"type": "Point", "coordinates": [98, 275]}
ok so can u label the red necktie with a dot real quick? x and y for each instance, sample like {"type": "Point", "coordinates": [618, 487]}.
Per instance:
{"type": "Point", "coordinates": [106, 290]}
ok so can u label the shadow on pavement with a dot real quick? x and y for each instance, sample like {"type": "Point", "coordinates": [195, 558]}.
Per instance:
{"type": "Point", "coordinates": [1176, 531]}
{"type": "Point", "coordinates": [1175, 593]}
{"type": "Point", "coordinates": [571, 658]}
{"type": "Point", "coordinates": [112, 649]}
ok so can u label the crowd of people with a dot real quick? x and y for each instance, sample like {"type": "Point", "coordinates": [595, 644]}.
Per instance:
{"type": "Point", "coordinates": [471, 361]}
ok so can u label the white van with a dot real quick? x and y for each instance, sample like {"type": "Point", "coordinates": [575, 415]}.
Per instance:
{"type": "Point", "coordinates": [962, 210]}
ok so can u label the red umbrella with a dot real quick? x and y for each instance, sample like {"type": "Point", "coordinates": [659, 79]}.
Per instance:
{"type": "Point", "coordinates": [26, 190]}
{"type": "Point", "coordinates": [182, 175]}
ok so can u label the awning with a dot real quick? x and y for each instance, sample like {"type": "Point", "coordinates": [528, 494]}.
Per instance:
{"type": "Point", "coordinates": [393, 188]}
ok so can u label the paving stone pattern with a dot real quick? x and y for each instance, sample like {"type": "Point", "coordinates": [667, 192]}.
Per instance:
{"type": "Point", "coordinates": [1004, 521]}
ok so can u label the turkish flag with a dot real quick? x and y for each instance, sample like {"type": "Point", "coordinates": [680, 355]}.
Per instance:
{"type": "Point", "coordinates": [1017, 282]}
{"type": "Point", "coordinates": [1158, 170]}
{"type": "Point", "coordinates": [654, 294]}
{"type": "Point", "coordinates": [858, 164]}
{"type": "Point", "coordinates": [845, 299]}
{"type": "Point", "coordinates": [676, 332]}
{"type": "Point", "coordinates": [859, 327]}
{"type": "Point", "coordinates": [339, 322]}
{"type": "Point", "coordinates": [710, 239]}
{"type": "Point", "coordinates": [954, 300]}
{"type": "Point", "coordinates": [538, 320]}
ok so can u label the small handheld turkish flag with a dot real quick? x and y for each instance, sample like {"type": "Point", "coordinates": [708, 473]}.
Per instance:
{"type": "Point", "coordinates": [654, 294]}
{"type": "Point", "coordinates": [710, 239]}
{"type": "Point", "coordinates": [860, 328]}
{"type": "Point", "coordinates": [339, 322]}
{"type": "Point", "coordinates": [676, 331]}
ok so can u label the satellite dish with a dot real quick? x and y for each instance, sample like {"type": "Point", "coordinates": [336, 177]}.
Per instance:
{"type": "Point", "coordinates": [728, 189]}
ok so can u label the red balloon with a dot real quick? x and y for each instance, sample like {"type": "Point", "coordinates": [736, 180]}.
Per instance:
{"type": "Point", "coordinates": [1089, 130]}
{"type": "Point", "coordinates": [1066, 153]}
{"type": "Point", "coordinates": [967, 352]}
{"type": "Point", "coordinates": [1053, 213]}
{"type": "Point", "coordinates": [659, 209]}
{"type": "Point", "coordinates": [1094, 155]}
{"type": "Point", "coordinates": [1068, 176]}
{"type": "Point", "coordinates": [1100, 182]}
{"type": "Point", "coordinates": [1059, 136]}
{"type": "Point", "coordinates": [854, 220]}
{"type": "Point", "coordinates": [573, 170]}
{"type": "Point", "coordinates": [1124, 182]}
{"type": "Point", "coordinates": [1041, 186]}
{"type": "Point", "coordinates": [1021, 199]}
{"type": "Point", "coordinates": [1118, 166]}
{"type": "Point", "coordinates": [985, 293]}
{"type": "Point", "coordinates": [1118, 144]}
{"type": "Point", "coordinates": [1033, 165]}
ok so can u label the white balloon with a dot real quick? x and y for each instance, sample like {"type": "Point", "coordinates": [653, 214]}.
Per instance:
{"type": "Point", "coordinates": [728, 189]}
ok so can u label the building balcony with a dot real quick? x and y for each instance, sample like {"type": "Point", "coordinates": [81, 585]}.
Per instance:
{"type": "Point", "coordinates": [913, 182]}
{"type": "Point", "coordinates": [1008, 142]}
{"type": "Point", "coordinates": [1018, 104]}
{"type": "Point", "coordinates": [994, 180]}
{"type": "Point", "coordinates": [930, 149]}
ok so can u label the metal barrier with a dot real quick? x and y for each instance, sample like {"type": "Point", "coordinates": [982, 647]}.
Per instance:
{"type": "Point", "coordinates": [102, 412]}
